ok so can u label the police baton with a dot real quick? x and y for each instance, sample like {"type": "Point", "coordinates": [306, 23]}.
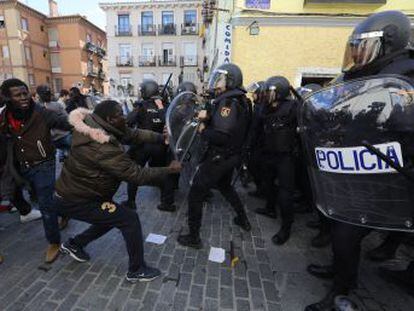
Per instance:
{"type": "Point", "coordinates": [387, 160]}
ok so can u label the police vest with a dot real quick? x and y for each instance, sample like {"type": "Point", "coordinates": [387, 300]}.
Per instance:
{"type": "Point", "coordinates": [153, 118]}
{"type": "Point", "coordinates": [279, 128]}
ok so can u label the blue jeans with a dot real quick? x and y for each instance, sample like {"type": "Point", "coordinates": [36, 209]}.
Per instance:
{"type": "Point", "coordinates": [63, 146]}
{"type": "Point", "coordinates": [43, 177]}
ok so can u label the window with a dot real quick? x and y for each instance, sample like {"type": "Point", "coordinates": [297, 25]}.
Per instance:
{"type": "Point", "coordinates": [148, 76]}
{"type": "Point", "coordinates": [55, 62]}
{"type": "Point", "coordinates": [167, 18]}
{"type": "Point", "coordinates": [147, 50]}
{"type": "Point", "coordinates": [190, 18]}
{"type": "Point", "coordinates": [258, 4]}
{"type": "Point", "coordinates": [190, 54]}
{"type": "Point", "coordinates": [124, 53]}
{"type": "Point", "coordinates": [2, 22]}
{"type": "Point", "coordinates": [167, 52]}
{"type": "Point", "coordinates": [88, 38]}
{"type": "Point", "coordinates": [126, 80]}
{"type": "Point", "coordinates": [25, 24]}
{"type": "Point", "coordinates": [32, 81]}
{"type": "Point", "coordinates": [190, 76]}
{"type": "Point", "coordinates": [28, 53]}
{"type": "Point", "coordinates": [57, 85]}
{"type": "Point", "coordinates": [147, 21]}
{"type": "Point", "coordinates": [5, 51]}
{"type": "Point", "coordinates": [123, 23]}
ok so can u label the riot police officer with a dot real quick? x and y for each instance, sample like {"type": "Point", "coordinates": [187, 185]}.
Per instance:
{"type": "Point", "coordinates": [278, 125]}
{"type": "Point", "coordinates": [149, 114]}
{"type": "Point", "coordinates": [255, 138]}
{"type": "Point", "coordinates": [186, 86]}
{"type": "Point", "coordinates": [224, 128]}
{"type": "Point", "coordinates": [378, 45]}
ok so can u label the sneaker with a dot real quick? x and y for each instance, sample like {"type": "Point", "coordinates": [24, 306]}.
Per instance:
{"type": "Point", "coordinates": [33, 215]}
{"type": "Point", "coordinates": [74, 251]}
{"type": "Point", "coordinates": [145, 274]}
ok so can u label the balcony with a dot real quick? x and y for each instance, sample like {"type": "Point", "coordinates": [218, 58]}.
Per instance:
{"type": "Point", "coordinates": [124, 31]}
{"type": "Point", "coordinates": [147, 30]}
{"type": "Point", "coordinates": [190, 29]}
{"type": "Point", "coordinates": [170, 61]}
{"type": "Point", "coordinates": [167, 30]}
{"type": "Point", "coordinates": [124, 61]}
{"type": "Point", "coordinates": [92, 48]}
{"type": "Point", "coordinates": [147, 61]}
{"type": "Point", "coordinates": [54, 46]}
{"type": "Point", "coordinates": [189, 61]}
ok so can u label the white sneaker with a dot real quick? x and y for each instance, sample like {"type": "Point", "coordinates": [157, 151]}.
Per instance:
{"type": "Point", "coordinates": [33, 215]}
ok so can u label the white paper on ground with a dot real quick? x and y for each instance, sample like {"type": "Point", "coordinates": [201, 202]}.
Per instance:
{"type": "Point", "coordinates": [217, 255]}
{"type": "Point", "coordinates": [156, 238]}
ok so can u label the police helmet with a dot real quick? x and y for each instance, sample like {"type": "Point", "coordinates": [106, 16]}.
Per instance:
{"type": "Point", "coordinates": [377, 36]}
{"type": "Point", "coordinates": [148, 89]}
{"type": "Point", "coordinates": [276, 88]}
{"type": "Point", "coordinates": [186, 86]}
{"type": "Point", "coordinates": [308, 89]}
{"type": "Point", "coordinates": [226, 77]}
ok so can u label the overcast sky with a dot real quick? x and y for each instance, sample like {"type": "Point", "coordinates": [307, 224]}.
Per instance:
{"type": "Point", "coordinates": [88, 8]}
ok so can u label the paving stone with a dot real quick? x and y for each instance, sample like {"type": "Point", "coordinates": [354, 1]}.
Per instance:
{"type": "Point", "coordinates": [110, 287]}
{"type": "Point", "coordinates": [242, 305]}
{"type": "Point", "coordinates": [196, 296]}
{"type": "Point", "coordinates": [226, 298]}
{"type": "Point", "coordinates": [139, 290]}
{"type": "Point", "coordinates": [241, 288]}
{"type": "Point", "coordinates": [180, 301]}
{"type": "Point", "coordinates": [226, 278]}
{"type": "Point", "coordinates": [212, 289]}
{"type": "Point", "coordinates": [254, 279]}
{"type": "Point", "coordinates": [69, 302]}
{"type": "Point", "coordinates": [150, 300]}
{"type": "Point", "coordinates": [211, 305]}
{"type": "Point", "coordinates": [185, 281]}
{"type": "Point", "coordinates": [271, 293]}
{"type": "Point", "coordinates": [119, 299]}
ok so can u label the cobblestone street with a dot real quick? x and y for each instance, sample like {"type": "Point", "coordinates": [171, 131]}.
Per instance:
{"type": "Point", "coordinates": [266, 278]}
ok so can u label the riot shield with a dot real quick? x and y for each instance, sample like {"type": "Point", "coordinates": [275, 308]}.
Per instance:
{"type": "Point", "coordinates": [182, 128]}
{"type": "Point", "coordinates": [359, 140]}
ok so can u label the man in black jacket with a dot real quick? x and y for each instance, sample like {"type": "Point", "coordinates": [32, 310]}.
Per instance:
{"type": "Point", "coordinates": [28, 125]}
{"type": "Point", "coordinates": [224, 129]}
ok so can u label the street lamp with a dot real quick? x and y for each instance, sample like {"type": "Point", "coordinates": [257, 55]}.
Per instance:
{"type": "Point", "coordinates": [254, 28]}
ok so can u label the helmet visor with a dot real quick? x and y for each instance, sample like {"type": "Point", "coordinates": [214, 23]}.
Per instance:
{"type": "Point", "coordinates": [361, 50]}
{"type": "Point", "coordinates": [218, 80]}
{"type": "Point", "coordinates": [253, 88]}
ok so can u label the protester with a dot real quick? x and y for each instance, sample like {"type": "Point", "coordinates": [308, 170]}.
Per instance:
{"type": "Point", "coordinates": [92, 174]}
{"type": "Point", "coordinates": [61, 139]}
{"type": "Point", "coordinates": [76, 100]}
{"type": "Point", "coordinates": [63, 97]}
{"type": "Point", "coordinates": [28, 125]}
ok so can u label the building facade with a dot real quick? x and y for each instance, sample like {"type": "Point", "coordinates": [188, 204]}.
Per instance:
{"type": "Point", "coordinates": [61, 51]}
{"type": "Point", "coordinates": [151, 40]}
{"type": "Point", "coordinates": [303, 40]}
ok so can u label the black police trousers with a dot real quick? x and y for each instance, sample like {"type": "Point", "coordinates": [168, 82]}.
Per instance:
{"type": "Point", "coordinates": [103, 217]}
{"type": "Point", "coordinates": [215, 172]}
{"type": "Point", "coordinates": [346, 247]}
{"type": "Point", "coordinates": [156, 155]}
{"type": "Point", "coordinates": [282, 167]}
{"type": "Point", "coordinates": [255, 168]}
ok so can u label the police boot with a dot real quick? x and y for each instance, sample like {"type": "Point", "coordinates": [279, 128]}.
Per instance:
{"type": "Point", "coordinates": [191, 240]}
{"type": "Point", "coordinates": [321, 271]}
{"type": "Point", "coordinates": [129, 204]}
{"type": "Point", "coordinates": [401, 278]}
{"type": "Point", "coordinates": [326, 304]}
{"type": "Point", "coordinates": [385, 251]}
{"type": "Point", "coordinates": [167, 207]}
{"type": "Point", "coordinates": [323, 239]}
{"type": "Point", "coordinates": [283, 235]}
{"type": "Point", "coordinates": [243, 222]}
